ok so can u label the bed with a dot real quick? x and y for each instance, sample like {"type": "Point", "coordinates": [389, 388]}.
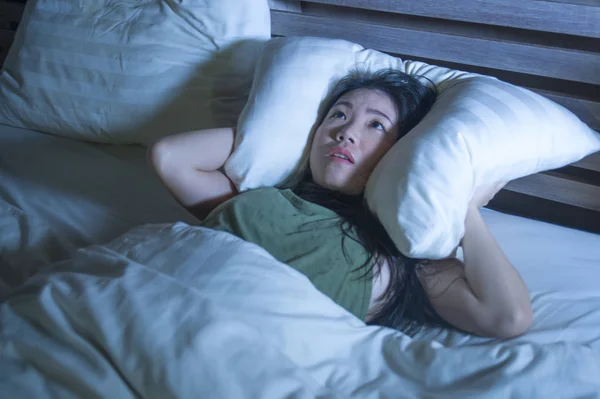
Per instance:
{"type": "Point", "coordinates": [130, 324]}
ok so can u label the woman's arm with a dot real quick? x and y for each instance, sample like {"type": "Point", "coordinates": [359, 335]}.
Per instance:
{"type": "Point", "coordinates": [485, 295]}
{"type": "Point", "coordinates": [188, 164]}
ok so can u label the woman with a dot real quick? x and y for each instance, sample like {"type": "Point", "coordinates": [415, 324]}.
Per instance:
{"type": "Point", "coordinates": [323, 228]}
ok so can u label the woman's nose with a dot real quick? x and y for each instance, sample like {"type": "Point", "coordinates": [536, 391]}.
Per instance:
{"type": "Point", "coordinates": [345, 135]}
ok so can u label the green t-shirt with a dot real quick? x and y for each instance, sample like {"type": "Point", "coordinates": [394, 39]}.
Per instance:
{"type": "Point", "coordinates": [305, 236]}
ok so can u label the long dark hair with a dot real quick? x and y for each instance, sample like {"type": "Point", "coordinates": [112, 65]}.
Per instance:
{"type": "Point", "coordinates": [404, 303]}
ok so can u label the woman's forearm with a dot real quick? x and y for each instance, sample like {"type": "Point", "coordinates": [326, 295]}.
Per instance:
{"type": "Point", "coordinates": [205, 150]}
{"type": "Point", "coordinates": [492, 278]}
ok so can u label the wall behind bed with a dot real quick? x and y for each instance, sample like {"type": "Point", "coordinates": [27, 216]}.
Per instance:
{"type": "Point", "coordinates": [550, 47]}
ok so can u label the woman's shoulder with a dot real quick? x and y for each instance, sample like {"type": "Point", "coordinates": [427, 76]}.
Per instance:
{"type": "Point", "coordinates": [259, 192]}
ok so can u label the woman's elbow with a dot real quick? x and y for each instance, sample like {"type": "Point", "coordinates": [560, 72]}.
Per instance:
{"type": "Point", "coordinates": [159, 154]}
{"type": "Point", "coordinates": [512, 324]}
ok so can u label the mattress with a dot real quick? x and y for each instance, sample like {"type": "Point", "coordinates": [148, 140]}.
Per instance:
{"type": "Point", "coordinates": [58, 195]}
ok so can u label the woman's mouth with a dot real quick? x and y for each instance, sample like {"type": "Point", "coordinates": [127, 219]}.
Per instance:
{"type": "Point", "coordinates": [340, 154]}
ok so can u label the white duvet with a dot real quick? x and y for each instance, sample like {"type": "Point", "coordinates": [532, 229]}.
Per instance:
{"type": "Point", "coordinates": [178, 311]}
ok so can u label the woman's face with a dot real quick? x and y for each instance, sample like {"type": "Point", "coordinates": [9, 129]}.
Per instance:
{"type": "Point", "coordinates": [355, 134]}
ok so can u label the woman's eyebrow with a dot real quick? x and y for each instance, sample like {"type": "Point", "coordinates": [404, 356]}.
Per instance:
{"type": "Point", "coordinates": [369, 110]}
{"type": "Point", "coordinates": [345, 103]}
{"type": "Point", "coordinates": [378, 112]}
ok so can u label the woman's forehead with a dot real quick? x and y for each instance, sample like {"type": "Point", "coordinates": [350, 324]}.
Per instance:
{"type": "Point", "coordinates": [371, 98]}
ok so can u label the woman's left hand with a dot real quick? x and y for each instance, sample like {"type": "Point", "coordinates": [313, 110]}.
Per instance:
{"type": "Point", "coordinates": [484, 194]}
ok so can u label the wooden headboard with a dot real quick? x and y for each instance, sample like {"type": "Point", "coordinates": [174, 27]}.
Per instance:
{"type": "Point", "coordinates": [549, 46]}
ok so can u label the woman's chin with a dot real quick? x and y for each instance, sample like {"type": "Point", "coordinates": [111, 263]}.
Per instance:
{"type": "Point", "coordinates": [340, 185]}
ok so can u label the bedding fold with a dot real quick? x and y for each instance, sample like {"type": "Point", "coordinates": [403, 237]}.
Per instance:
{"type": "Point", "coordinates": [172, 310]}
{"type": "Point", "coordinates": [58, 195]}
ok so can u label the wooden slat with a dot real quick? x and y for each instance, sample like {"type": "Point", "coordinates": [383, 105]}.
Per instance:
{"type": "Point", "coordinates": [452, 27]}
{"type": "Point", "coordinates": [545, 210]}
{"type": "Point", "coordinates": [285, 5]}
{"type": "Point", "coordinates": [548, 16]}
{"type": "Point", "coordinates": [536, 60]}
{"type": "Point", "coordinates": [591, 162]}
{"type": "Point", "coordinates": [540, 84]}
{"type": "Point", "coordinates": [558, 189]}
{"type": "Point", "coordinates": [586, 110]}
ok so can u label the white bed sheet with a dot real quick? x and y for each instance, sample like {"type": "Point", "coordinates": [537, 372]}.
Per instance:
{"type": "Point", "coordinates": [58, 195]}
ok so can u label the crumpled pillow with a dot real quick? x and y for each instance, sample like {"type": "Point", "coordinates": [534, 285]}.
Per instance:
{"type": "Point", "coordinates": [130, 72]}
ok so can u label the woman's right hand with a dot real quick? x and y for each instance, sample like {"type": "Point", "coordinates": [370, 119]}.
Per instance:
{"type": "Point", "coordinates": [188, 163]}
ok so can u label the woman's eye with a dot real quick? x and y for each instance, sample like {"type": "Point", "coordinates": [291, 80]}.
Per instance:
{"type": "Point", "coordinates": [338, 115]}
{"type": "Point", "coordinates": [378, 126]}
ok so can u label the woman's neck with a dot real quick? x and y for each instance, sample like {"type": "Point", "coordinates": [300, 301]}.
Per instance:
{"type": "Point", "coordinates": [310, 191]}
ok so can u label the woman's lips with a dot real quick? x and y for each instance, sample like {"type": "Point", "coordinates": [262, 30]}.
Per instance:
{"type": "Point", "coordinates": [333, 158]}
{"type": "Point", "coordinates": [341, 154]}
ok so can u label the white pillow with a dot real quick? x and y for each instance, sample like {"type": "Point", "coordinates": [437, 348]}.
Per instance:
{"type": "Point", "coordinates": [480, 131]}
{"type": "Point", "coordinates": [126, 71]}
